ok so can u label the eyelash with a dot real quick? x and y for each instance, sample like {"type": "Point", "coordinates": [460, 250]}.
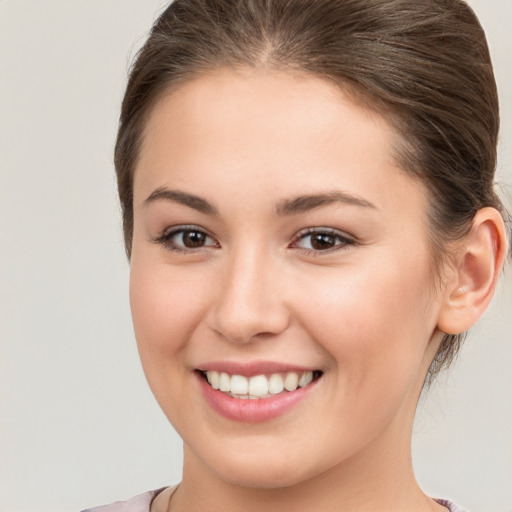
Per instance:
{"type": "Point", "coordinates": [166, 239]}
{"type": "Point", "coordinates": [342, 241]}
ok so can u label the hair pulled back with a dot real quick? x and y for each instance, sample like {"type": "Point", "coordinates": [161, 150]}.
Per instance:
{"type": "Point", "coordinates": [423, 64]}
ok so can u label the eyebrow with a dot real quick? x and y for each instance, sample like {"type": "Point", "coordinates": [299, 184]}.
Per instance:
{"type": "Point", "coordinates": [306, 203]}
{"type": "Point", "coordinates": [184, 198]}
{"type": "Point", "coordinates": [284, 208]}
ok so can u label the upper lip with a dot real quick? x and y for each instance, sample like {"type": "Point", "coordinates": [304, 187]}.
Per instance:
{"type": "Point", "coordinates": [249, 369]}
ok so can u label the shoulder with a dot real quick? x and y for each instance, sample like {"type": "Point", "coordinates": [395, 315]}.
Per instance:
{"type": "Point", "coordinates": [140, 503]}
{"type": "Point", "coordinates": [452, 507]}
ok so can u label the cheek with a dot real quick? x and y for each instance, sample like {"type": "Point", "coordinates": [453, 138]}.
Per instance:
{"type": "Point", "coordinates": [374, 327]}
{"type": "Point", "coordinates": [166, 307]}
{"type": "Point", "coordinates": [373, 319]}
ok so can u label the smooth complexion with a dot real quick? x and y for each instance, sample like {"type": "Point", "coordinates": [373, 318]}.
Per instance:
{"type": "Point", "coordinates": [273, 228]}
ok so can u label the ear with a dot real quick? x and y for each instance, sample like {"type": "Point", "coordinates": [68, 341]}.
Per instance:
{"type": "Point", "coordinates": [474, 278]}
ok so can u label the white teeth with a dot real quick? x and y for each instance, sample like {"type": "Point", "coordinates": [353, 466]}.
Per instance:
{"type": "Point", "coordinates": [224, 382]}
{"type": "Point", "coordinates": [239, 385]}
{"type": "Point", "coordinates": [213, 379]}
{"type": "Point", "coordinates": [275, 384]}
{"type": "Point", "coordinates": [259, 386]}
{"type": "Point", "coordinates": [291, 381]}
{"type": "Point", "coordinates": [305, 379]}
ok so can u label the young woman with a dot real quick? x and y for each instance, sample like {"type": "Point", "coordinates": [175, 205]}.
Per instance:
{"type": "Point", "coordinates": [307, 191]}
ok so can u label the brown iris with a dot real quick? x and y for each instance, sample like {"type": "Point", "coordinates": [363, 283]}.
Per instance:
{"type": "Point", "coordinates": [193, 239]}
{"type": "Point", "coordinates": [322, 241]}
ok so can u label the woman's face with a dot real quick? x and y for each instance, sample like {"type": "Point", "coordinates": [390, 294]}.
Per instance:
{"type": "Point", "coordinates": [276, 240]}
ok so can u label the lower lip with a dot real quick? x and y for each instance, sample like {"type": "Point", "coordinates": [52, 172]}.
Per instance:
{"type": "Point", "coordinates": [252, 410]}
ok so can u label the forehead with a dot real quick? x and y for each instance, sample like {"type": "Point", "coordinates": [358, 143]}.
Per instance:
{"type": "Point", "coordinates": [228, 105]}
{"type": "Point", "coordinates": [280, 130]}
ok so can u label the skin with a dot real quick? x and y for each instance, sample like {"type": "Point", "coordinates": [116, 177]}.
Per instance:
{"type": "Point", "coordinates": [365, 313]}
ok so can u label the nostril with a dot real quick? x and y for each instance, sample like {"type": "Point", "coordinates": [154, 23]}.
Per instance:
{"type": "Point", "coordinates": [242, 336]}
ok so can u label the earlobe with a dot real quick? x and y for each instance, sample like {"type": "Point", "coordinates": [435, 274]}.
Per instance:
{"type": "Point", "coordinates": [476, 273]}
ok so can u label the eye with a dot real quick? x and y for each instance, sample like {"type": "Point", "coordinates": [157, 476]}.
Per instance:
{"type": "Point", "coordinates": [322, 240]}
{"type": "Point", "coordinates": [186, 238]}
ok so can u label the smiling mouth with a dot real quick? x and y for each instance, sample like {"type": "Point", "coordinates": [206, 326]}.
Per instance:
{"type": "Point", "coordinates": [259, 386]}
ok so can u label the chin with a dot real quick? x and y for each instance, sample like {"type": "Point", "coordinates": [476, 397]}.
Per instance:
{"type": "Point", "coordinates": [261, 478]}
{"type": "Point", "coordinates": [258, 471]}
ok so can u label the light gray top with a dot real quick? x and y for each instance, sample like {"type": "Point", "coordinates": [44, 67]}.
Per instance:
{"type": "Point", "coordinates": [142, 503]}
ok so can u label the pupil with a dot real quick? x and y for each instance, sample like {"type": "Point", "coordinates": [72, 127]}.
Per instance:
{"type": "Point", "coordinates": [320, 242]}
{"type": "Point", "coordinates": [194, 239]}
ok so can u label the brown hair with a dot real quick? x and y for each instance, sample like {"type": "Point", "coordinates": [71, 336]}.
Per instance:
{"type": "Point", "coordinates": [423, 64]}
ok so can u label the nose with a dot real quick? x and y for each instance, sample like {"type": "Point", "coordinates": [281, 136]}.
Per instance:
{"type": "Point", "coordinates": [249, 303]}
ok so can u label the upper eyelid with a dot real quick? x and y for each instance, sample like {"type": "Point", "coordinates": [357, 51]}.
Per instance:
{"type": "Point", "coordinates": [185, 227]}
{"type": "Point", "coordinates": [302, 232]}
{"type": "Point", "coordinates": [316, 230]}
{"type": "Point", "coordinates": [171, 231]}
{"type": "Point", "coordinates": [346, 240]}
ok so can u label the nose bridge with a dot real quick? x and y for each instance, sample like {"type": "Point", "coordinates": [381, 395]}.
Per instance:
{"type": "Point", "coordinates": [249, 301]}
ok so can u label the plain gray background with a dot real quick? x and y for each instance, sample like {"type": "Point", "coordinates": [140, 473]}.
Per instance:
{"type": "Point", "coordinates": [79, 426]}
